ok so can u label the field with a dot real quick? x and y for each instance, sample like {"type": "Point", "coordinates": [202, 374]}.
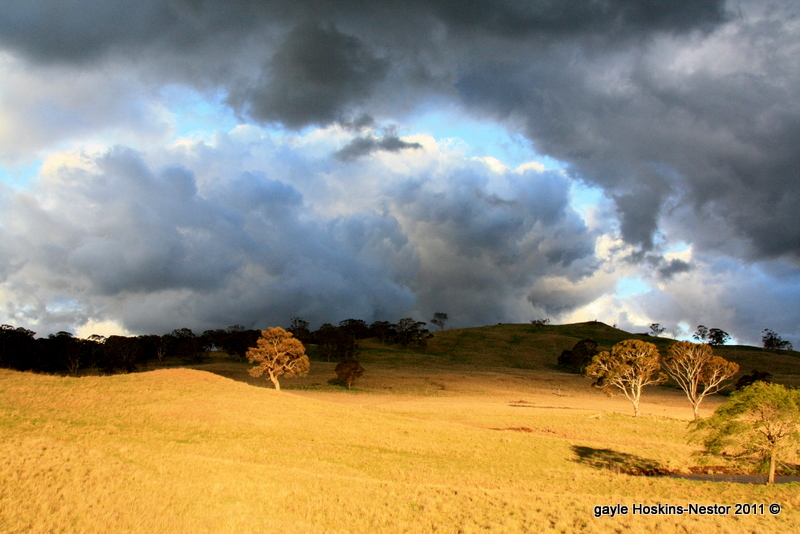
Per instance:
{"type": "Point", "coordinates": [479, 432]}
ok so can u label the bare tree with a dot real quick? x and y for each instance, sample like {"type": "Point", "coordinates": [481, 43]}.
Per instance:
{"type": "Point", "coordinates": [697, 371]}
{"type": "Point", "coordinates": [277, 353]}
{"type": "Point", "coordinates": [630, 366]}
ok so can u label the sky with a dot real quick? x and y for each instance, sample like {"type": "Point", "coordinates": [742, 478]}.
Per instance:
{"type": "Point", "coordinates": [204, 163]}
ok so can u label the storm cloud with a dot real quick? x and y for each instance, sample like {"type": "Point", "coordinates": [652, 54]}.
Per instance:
{"type": "Point", "coordinates": [684, 115]}
{"type": "Point", "coordinates": [107, 235]}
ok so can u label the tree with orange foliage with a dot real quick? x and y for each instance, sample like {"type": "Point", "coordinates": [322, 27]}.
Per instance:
{"type": "Point", "coordinates": [631, 365]}
{"type": "Point", "coordinates": [278, 353]}
{"type": "Point", "coordinates": [697, 371]}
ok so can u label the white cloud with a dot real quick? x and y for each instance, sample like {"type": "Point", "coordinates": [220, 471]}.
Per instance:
{"type": "Point", "coordinates": [101, 328]}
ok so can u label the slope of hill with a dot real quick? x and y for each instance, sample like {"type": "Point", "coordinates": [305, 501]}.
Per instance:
{"type": "Point", "coordinates": [526, 346]}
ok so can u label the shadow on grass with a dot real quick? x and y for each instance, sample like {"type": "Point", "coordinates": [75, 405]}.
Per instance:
{"type": "Point", "coordinates": [618, 462]}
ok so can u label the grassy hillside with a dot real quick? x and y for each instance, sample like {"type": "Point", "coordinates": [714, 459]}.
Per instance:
{"type": "Point", "coordinates": [477, 433]}
{"type": "Point", "coordinates": [525, 346]}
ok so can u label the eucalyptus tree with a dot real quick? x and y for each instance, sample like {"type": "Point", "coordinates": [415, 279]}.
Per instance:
{"type": "Point", "coordinates": [629, 367]}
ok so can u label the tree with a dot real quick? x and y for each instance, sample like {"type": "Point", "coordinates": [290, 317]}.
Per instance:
{"type": "Point", "coordinates": [411, 332]}
{"type": "Point", "coordinates": [383, 330]}
{"type": "Point", "coordinates": [697, 371]}
{"type": "Point", "coordinates": [439, 319]}
{"type": "Point", "coordinates": [773, 341]}
{"type": "Point", "coordinates": [336, 343]}
{"type": "Point", "coordinates": [656, 329]}
{"type": "Point", "coordinates": [755, 376]}
{"type": "Point", "coordinates": [577, 359]}
{"type": "Point", "coordinates": [278, 352]}
{"type": "Point", "coordinates": [712, 336]}
{"type": "Point", "coordinates": [717, 337]}
{"type": "Point", "coordinates": [69, 350]}
{"type": "Point", "coordinates": [150, 347]}
{"type": "Point", "coordinates": [357, 328]}
{"type": "Point", "coordinates": [701, 334]}
{"type": "Point", "coordinates": [185, 344]}
{"type": "Point", "coordinates": [348, 371]}
{"type": "Point", "coordinates": [121, 353]}
{"type": "Point", "coordinates": [756, 423]}
{"type": "Point", "coordinates": [237, 340]}
{"type": "Point", "coordinates": [17, 348]}
{"type": "Point", "coordinates": [630, 366]}
{"type": "Point", "coordinates": [299, 328]}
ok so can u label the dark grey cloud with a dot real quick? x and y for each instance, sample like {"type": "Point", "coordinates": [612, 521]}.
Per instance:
{"type": "Point", "coordinates": [315, 75]}
{"type": "Point", "coordinates": [614, 19]}
{"type": "Point", "coordinates": [80, 31]}
{"type": "Point", "coordinates": [673, 267]}
{"type": "Point", "coordinates": [482, 250]}
{"type": "Point", "coordinates": [50, 30]}
{"type": "Point", "coordinates": [705, 120]}
{"type": "Point", "coordinates": [363, 146]}
{"type": "Point", "coordinates": [314, 62]}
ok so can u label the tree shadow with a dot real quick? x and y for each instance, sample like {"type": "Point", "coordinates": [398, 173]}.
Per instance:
{"type": "Point", "coordinates": [618, 462]}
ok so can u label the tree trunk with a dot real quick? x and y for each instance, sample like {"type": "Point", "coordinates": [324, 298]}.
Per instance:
{"type": "Point", "coordinates": [635, 408]}
{"type": "Point", "coordinates": [275, 382]}
{"type": "Point", "coordinates": [696, 411]}
{"type": "Point", "coordinates": [771, 478]}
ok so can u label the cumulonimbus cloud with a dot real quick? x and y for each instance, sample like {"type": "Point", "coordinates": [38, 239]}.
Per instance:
{"type": "Point", "coordinates": [111, 236]}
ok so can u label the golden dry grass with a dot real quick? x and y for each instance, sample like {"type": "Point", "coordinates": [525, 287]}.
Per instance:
{"type": "Point", "coordinates": [415, 448]}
